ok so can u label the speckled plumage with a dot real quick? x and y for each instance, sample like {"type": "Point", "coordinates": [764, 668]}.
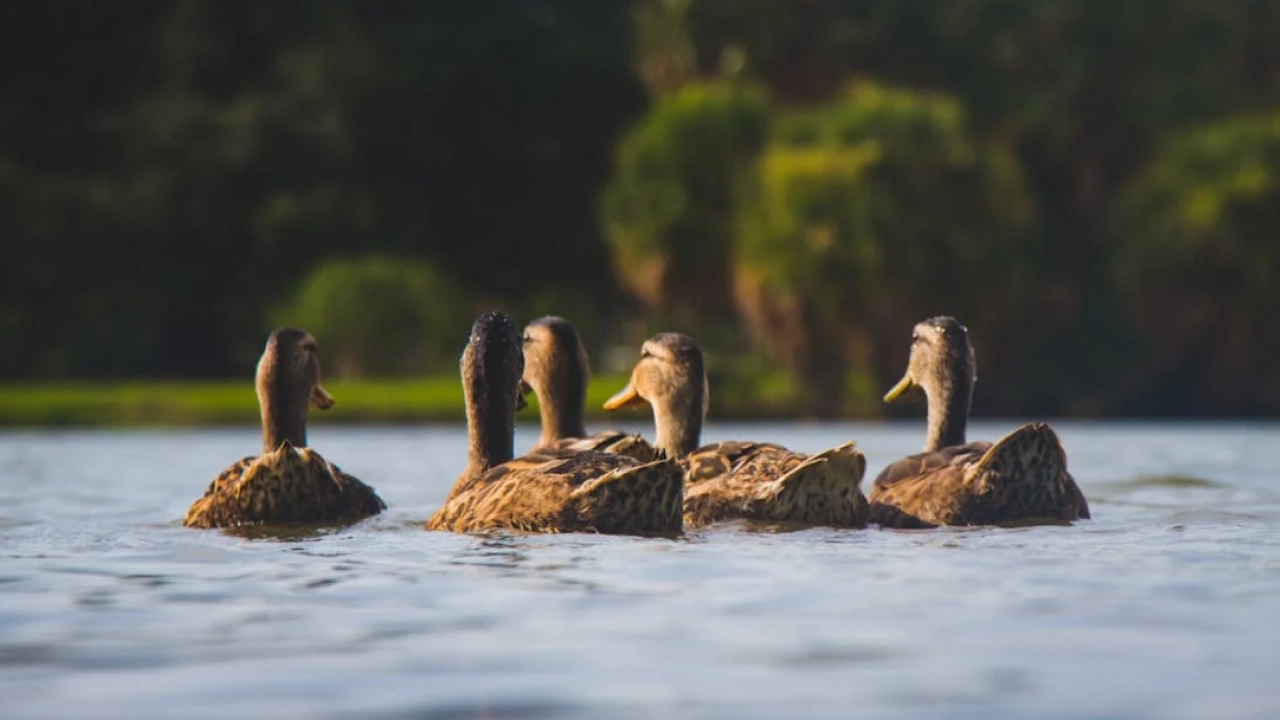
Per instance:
{"type": "Point", "coordinates": [614, 442]}
{"type": "Point", "coordinates": [767, 482]}
{"type": "Point", "coordinates": [291, 486]}
{"type": "Point", "coordinates": [586, 491]}
{"type": "Point", "coordinates": [738, 480]}
{"type": "Point", "coordinates": [288, 483]}
{"type": "Point", "coordinates": [1021, 479]}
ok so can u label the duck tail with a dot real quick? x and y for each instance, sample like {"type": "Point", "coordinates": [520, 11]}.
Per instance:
{"type": "Point", "coordinates": [1031, 451]}
{"type": "Point", "coordinates": [634, 446]}
{"type": "Point", "coordinates": [1028, 469]}
{"type": "Point", "coordinates": [647, 498]}
{"type": "Point", "coordinates": [824, 489]}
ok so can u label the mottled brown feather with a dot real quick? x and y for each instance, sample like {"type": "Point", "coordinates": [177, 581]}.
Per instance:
{"type": "Point", "coordinates": [610, 441]}
{"type": "Point", "coordinates": [767, 482]}
{"type": "Point", "coordinates": [293, 486]}
{"type": "Point", "coordinates": [1021, 479]}
{"type": "Point", "coordinates": [582, 492]}
{"type": "Point", "coordinates": [544, 491]}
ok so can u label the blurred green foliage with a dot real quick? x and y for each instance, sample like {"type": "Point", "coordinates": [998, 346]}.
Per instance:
{"type": "Point", "coordinates": [172, 170]}
{"type": "Point", "coordinates": [865, 215]}
{"type": "Point", "coordinates": [669, 207]}
{"type": "Point", "coordinates": [1089, 185]}
{"type": "Point", "coordinates": [381, 316]}
{"type": "Point", "coordinates": [202, 402]}
{"type": "Point", "coordinates": [1200, 262]}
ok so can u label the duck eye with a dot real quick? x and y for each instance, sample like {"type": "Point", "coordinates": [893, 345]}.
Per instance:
{"type": "Point", "coordinates": [525, 338]}
{"type": "Point", "coordinates": [644, 353]}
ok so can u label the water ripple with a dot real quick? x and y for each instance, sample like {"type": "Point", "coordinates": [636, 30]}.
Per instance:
{"type": "Point", "coordinates": [1165, 605]}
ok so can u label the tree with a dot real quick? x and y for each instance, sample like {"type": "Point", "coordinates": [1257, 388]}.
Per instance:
{"type": "Point", "coordinates": [867, 215]}
{"type": "Point", "coordinates": [1198, 263]}
{"type": "Point", "coordinates": [197, 158]}
{"type": "Point", "coordinates": [668, 210]}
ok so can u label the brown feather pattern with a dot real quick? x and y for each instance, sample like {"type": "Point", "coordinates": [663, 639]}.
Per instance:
{"type": "Point", "coordinates": [583, 492]}
{"type": "Point", "coordinates": [614, 442]}
{"type": "Point", "coordinates": [546, 491]}
{"type": "Point", "coordinates": [1022, 478]}
{"type": "Point", "coordinates": [289, 486]}
{"type": "Point", "coordinates": [288, 483]}
{"type": "Point", "coordinates": [767, 482]}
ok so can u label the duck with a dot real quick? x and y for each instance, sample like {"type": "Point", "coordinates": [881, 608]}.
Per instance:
{"type": "Point", "coordinates": [557, 370]}
{"type": "Point", "coordinates": [289, 483]}
{"type": "Point", "coordinates": [1022, 478]}
{"type": "Point", "coordinates": [737, 480]}
{"type": "Point", "coordinates": [588, 491]}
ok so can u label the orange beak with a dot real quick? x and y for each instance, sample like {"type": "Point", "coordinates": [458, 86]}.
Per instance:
{"type": "Point", "coordinates": [321, 398]}
{"type": "Point", "coordinates": [626, 397]}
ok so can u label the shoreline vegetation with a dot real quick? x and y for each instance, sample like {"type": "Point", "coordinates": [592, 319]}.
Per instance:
{"type": "Point", "coordinates": [134, 403]}
{"type": "Point", "coordinates": [1094, 195]}
{"type": "Point", "coordinates": [178, 403]}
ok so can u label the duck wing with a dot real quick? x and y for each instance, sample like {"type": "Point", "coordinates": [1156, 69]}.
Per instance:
{"type": "Point", "coordinates": [583, 492]}
{"type": "Point", "coordinates": [609, 441]}
{"type": "Point", "coordinates": [291, 486]}
{"type": "Point", "coordinates": [768, 482]}
{"type": "Point", "coordinates": [1020, 479]}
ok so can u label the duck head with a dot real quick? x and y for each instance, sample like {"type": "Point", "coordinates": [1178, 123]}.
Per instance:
{"type": "Point", "coordinates": [671, 377]}
{"type": "Point", "coordinates": [943, 365]}
{"type": "Point", "coordinates": [491, 366]}
{"type": "Point", "coordinates": [288, 383]}
{"type": "Point", "coordinates": [557, 369]}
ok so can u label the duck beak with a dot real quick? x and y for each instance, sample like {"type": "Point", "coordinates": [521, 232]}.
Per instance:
{"type": "Point", "coordinates": [626, 397]}
{"type": "Point", "coordinates": [321, 398]}
{"type": "Point", "coordinates": [522, 394]}
{"type": "Point", "coordinates": [903, 385]}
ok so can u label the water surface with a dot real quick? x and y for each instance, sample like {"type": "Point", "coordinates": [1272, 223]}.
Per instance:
{"type": "Point", "coordinates": [1166, 605]}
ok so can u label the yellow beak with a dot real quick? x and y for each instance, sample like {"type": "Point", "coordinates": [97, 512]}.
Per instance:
{"type": "Point", "coordinates": [903, 385]}
{"type": "Point", "coordinates": [626, 397]}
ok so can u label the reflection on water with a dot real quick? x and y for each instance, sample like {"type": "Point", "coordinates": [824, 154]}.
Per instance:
{"type": "Point", "coordinates": [1173, 481]}
{"type": "Point", "coordinates": [1167, 605]}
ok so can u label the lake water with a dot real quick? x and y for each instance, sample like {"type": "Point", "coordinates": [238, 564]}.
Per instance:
{"type": "Point", "coordinates": [1166, 605]}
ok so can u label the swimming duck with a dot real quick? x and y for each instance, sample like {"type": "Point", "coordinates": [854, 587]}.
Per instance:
{"type": "Point", "coordinates": [289, 483]}
{"type": "Point", "coordinates": [1022, 478]}
{"type": "Point", "coordinates": [737, 480]}
{"type": "Point", "coordinates": [583, 492]}
{"type": "Point", "coordinates": [557, 370]}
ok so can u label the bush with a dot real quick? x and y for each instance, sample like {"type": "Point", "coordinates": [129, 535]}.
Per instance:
{"type": "Point", "coordinates": [668, 210]}
{"type": "Point", "coordinates": [381, 316]}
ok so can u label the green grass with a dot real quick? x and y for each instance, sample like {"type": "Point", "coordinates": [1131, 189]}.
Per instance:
{"type": "Point", "coordinates": [234, 401]}
{"type": "Point", "coordinates": [743, 394]}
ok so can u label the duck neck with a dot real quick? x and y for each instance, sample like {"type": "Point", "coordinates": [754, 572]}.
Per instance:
{"type": "Point", "coordinates": [679, 424]}
{"type": "Point", "coordinates": [562, 406]}
{"type": "Point", "coordinates": [678, 434]}
{"type": "Point", "coordinates": [284, 415]}
{"type": "Point", "coordinates": [948, 414]}
{"type": "Point", "coordinates": [490, 429]}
